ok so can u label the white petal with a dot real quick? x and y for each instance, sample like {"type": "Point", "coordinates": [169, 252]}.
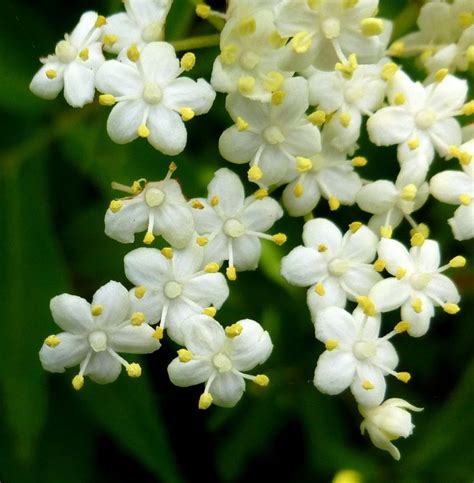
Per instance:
{"type": "Point", "coordinates": [390, 125]}
{"type": "Point", "coordinates": [247, 251]}
{"type": "Point", "coordinates": [462, 223]}
{"type": "Point", "coordinates": [302, 205]}
{"type": "Point", "coordinates": [334, 323]}
{"type": "Point", "coordinates": [447, 96]}
{"type": "Point", "coordinates": [124, 120]}
{"type": "Point", "coordinates": [255, 113]}
{"type": "Point", "coordinates": [228, 187]}
{"type": "Point", "coordinates": [80, 34]}
{"type": "Point", "coordinates": [208, 289]}
{"type": "Point", "coordinates": [150, 304]}
{"type": "Point", "coordinates": [322, 232]}
{"type": "Point", "coordinates": [126, 30]}
{"type": "Point", "coordinates": [371, 397]}
{"type": "Point", "coordinates": [188, 261]}
{"type": "Point", "coordinates": [386, 355]}
{"type": "Point", "coordinates": [130, 219]}
{"type": "Point", "coordinates": [185, 92]}
{"type": "Point", "coordinates": [134, 340]}
{"type": "Point", "coordinates": [342, 183]}
{"type": "Point", "coordinates": [295, 102]}
{"type": "Point", "coordinates": [419, 322]}
{"type": "Point", "coordinates": [448, 185]}
{"type": "Point", "coordinates": [146, 266]}
{"type": "Point", "coordinates": [393, 218]}
{"type": "Point", "coordinates": [175, 222]}
{"type": "Point", "coordinates": [377, 197]}
{"type": "Point", "coordinates": [334, 296]}
{"type": "Point", "coordinates": [334, 372]}
{"type": "Point", "coordinates": [204, 336]}
{"type": "Point", "coordinates": [79, 85]}
{"type": "Point", "coordinates": [71, 313]}
{"type": "Point", "coordinates": [159, 63]}
{"type": "Point", "coordinates": [303, 140]}
{"type": "Point", "coordinates": [389, 294]}
{"type": "Point", "coordinates": [227, 389]}
{"type": "Point", "coordinates": [47, 88]}
{"type": "Point", "coordinates": [238, 146]}
{"type": "Point", "coordinates": [184, 374]}
{"type": "Point", "coordinates": [443, 289]}
{"type": "Point", "coordinates": [206, 219]}
{"type": "Point", "coordinates": [360, 246]}
{"type": "Point", "coordinates": [326, 90]}
{"type": "Point", "coordinates": [69, 353]}
{"type": "Point", "coordinates": [114, 299]}
{"type": "Point", "coordinates": [360, 279]}
{"type": "Point", "coordinates": [427, 256]}
{"type": "Point", "coordinates": [414, 92]}
{"type": "Point", "coordinates": [445, 133]}
{"type": "Point", "coordinates": [103, 368]}
{"type": "Point", "coordinates": [303, 266]}
{"type": "Point", "coordinates": [395, 256]}
{"type": "Point", "coordinates": [119, 79]}
{"type": "Point", "coordinates": [274, 164]}
{"type": "Point", "coordinates": [260, 215]}
{"type": "Point", "coordinates": [179, 312]}
{"type": "Point", "coordinates": [167, 131]}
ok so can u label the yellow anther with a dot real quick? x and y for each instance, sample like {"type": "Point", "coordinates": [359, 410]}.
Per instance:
{"type": "Point", "coordinates": [158, 334]}
{"type": "Point", "coordinates": [397, 49]}
{"type": "Point", "coordinates": [109, 39]}
{"type": "Point", "coordinates": [143, 131]}
{"type": "Point", "coordinates": [403, 376]}
{"type": "Point", "coordinates": [355, 226]}
{"type": "Point", "coordinates": [367, 385]}
{"type": "Point", "coordinates": [278, 97]}
{"type": "Point", "coordinates": [186, 113]}
{"type": "Point", "coordinates": [331, 344]}
{"type": "Point", "coordinates": [301, 42]}
{"type": "Point", "coordinates": [454, 151]}
{"type": "Point", "coordinates": [246, 85]}
{"type": "Point", "coordinates": [215, 200]}
{"type": "Point", "coordinates": [202, 241]}
{"type": "Point", "coordinates": [457, 262]}
{"type": "Point", "coordinates": [465, 199]}
{"type": "Point", "coordinates": [347, 476]}
{"type": "Point", "coordinates": [211, 267]}
{"type": "Point", "coordinates": [254, 173]}
{"type": "Point", "coordinates": [389, 70]}
{"type": "Point", "coordinates": [140, 292]}
{"type": "Point", "coordinates": [52, 341]}
{"type": "Point", "coordinates": [359, 161]}
{"type": "Point", "coordinates": [247, 26]}
{"type": "Point", "coordinates": [107, 100]}
{"type": "Point", "coordinates": [466, 19]}
{"type": "Point", "coordinates": [197, 205]}
{"type": "Point", "coordinates": [441, 75]}
{"type": "Point", "coordinates": [188, 61]}
{"type": "Point", "coordinates": [468, 108]}
{"type": "Point", "coordinates": [205, 401]}
{"type": "Point", "coordinates": [409, 192]}
{"type": "Point", "coordinates": [203, 11]}
{"type": "Point", "coordinates": [229, 54]}
{"type": "Point", "coordinates": [262, 380]}
{"type": "Point", "coordinates": [137, 318]}
{"type": "Point", "coordinates": [84, 54]}
{"type": "Point", "coordinates": [115, 206]}
{"type": "Point", "coordinates": [319, 289]}
{"type": "Point", "coordinates": [273, 81]}
{"type": "Point", "coordinates": [371, 26]}
{"type": "Point", "coordinates": [167, 252]}
{"type": "Point", "coordinates": [470, 54]}
{"type": "Point", "coordinates": [134, 370]}
{"type": "Point", "coordinates": [242, 124]}
{"type": "Point", "coordinates": [345, 119]}
{"type": "Point", "coordinates": [210, 311]}
{"type": "Point", "coordinates": [417, 305]}
{"type": "Point", "coordinates": [426, 55]}
{"type": "Point", "coordinates": [414, 144]}
{"type": "Point", "coordinates": [234, 330]}
{"type": "Point", "coordinates": [303, 164]}
{"type": "Point", "coordinates": [314, 4]}
{"type": "Point", "coordinates": [417, 240]}
{"type": "Point", "coordinates": [101, 20]}
{"type": "Point", "coordinates": [318, 118]}
{"type": "Point", "coordinates": [402, 326]}
{"type": "Point", "coordinates": [51, 74]}
{"type": "Point", "coordinates": [136, 187]}
{"type": "Point", "coordinates": [400, 273]}
{"type": "Point", "coordinates": [386, 231]}
{"type": "Point", "coordinates": [298, 190]}
{"type": "Point", "coordinates": [348, 68]}
{"type": "Point", "coordinates": [184, 355]}
{"type": "Point", "coordinates": [367, 305]}
{"type": "Point", "coordinates": [334, 203]}
{"type": "Point", "coordinates": [379, 265]}
{"type": "Point", "coordinates": [422, 228]}
{"type": "Point", "coordinates": [96, 310]}
{"type": "Point", "coordinates": [276, 40]}
{"type": "Point", "coordinates": [349, 3]}
{"type": "Point", "coordinates": [322, 248]}
{"type": "Point", "coordinates": [172, 167]}
{"type": "Point", "coordinates": [149, 238]}
{"type": "Point", "coordinates": [465, 158]}
{"type": "Point", "coordinates": [261, 194]}
{"type": "Point", "coordinates": [78, 382]}
{"type": "Point", "coordinates": [279, 238]}
{"type": "Point", "coordinates": [133, 53]}
{"type": "Point", "coordinates": [399, 99]}
{"type": "Point", "coordinates": [231, 273]}
{"type": "Point", "coordinates": [451, 309]}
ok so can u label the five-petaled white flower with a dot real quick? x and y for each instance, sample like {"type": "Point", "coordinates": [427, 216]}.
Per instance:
{"type": "Point", "coordinates": [220, 358]}
{"type": "Point", "coordinates": [150, 101]}
{"type": "Point", "coordinates": [95, 333]}
{"type": "Point", "coordinates": [73, 65]}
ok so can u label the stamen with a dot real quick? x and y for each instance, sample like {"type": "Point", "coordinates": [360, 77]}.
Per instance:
{"type": "Point", "coordinates": [167, 252]}
{"type": "Point", "coordinates": [185, 355]}
{"type": "Point", "coordinates": [96, 310]}
{"type": "Point", "coordinates": [52, 341]}
{"type": "Point", "coordinates": [233, 330]}
{"type": "Point", "coordinates": [262, 380]}
{"type": "Point", "coordinates": [205, 401]}
{"type": "Point", "coordinates": [331, 344]}
{"type": "Point", "coordinates": [210, 311]}
{"type": "Point", "coordinates": [359, 161]}
{"type": "Point", "coordinates": [115, 206]}
{"type": "Point", "coordinates": [140, 292]}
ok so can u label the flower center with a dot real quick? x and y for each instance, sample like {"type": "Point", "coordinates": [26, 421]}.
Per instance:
{"type": "Point", "coordinates": [419, 281]}
{"type": "Point", "coordinates": [222, 362]}
{"type": "Point", "coordinates": [173, 289]}
{"type": "Point", "coordinates": [154, 197]}
{"type": "Point", "coordinates": [338, 267]}
{"type": "Point", "coordinates": [318, 163]}
{"type": "Point", "coordinates": [98, 340]}
{"type": "Point", "coordinates": [249, 60]}
{"type": "Point", "coordinates": [426, 118]}
{"type": "Point", "coordinates": [152, 32]}
{"type": "Point", "coordinates": [364, 350]}
{"type": "Point", "coordinates": [331, 28]}
{"type": "Point", "coordinates": [65, 51]}
{"type": "Point", "coordinates": [234, 228]}
{"type": "Point", "coordinates": [273, 135]}
{"type": "Point", "coordinates": [152, 93]}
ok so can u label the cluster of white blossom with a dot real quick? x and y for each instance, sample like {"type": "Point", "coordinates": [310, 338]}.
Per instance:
{"type": "Point", "coordinates": [304, 79]}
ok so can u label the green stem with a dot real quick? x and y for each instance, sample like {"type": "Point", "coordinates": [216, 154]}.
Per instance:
{"type": "Point", "coordinates": [216, 22]}
{"type": "Point", "coordinates": [196, 42]}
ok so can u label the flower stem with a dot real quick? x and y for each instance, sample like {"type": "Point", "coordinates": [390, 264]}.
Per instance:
{"type": "Point", "coordinates": [196, 42]}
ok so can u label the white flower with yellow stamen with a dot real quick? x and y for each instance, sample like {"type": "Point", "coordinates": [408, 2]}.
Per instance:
{"type": "Point", "coordinates": [244, 8]}
{"type": "Point", "coordinates": [417, 284]}
{"type": "Point", "coordinates": [231, 226]}
{"type": "Point", "coordinates": [356, 356]}
{"type": "Point", "coordinates": [270, 136]}
{"type": "Point", "coordinates": [176, 284]}
{"type": "Point", "coordinates": [249, 58]}
{"type": "Point", "coordinates": [220, 359]}
{"type": "Point", "coordinates": [149, 100]}
{"type": "Point", "coordinates": [328, 174]}
{"type": "Point", "coordinates": [158, 207]}
{"type": "Point", "coordinates": [95, 333]}
{"type": "Point", "coordinates": [387, 422]}
{"type": "Point", "coordinates": [141, 23]}
{"type": "Point", "coordinates": [335, 267]}
{"type": "Point", "coordinates": [74, 64]}
{"type": "Point", "coordinates": [326, 32]}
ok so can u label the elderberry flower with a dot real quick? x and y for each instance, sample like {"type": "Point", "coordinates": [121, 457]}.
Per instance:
{"type": "Point", "coordinates": [231, 225]}
{"type": "Point", "coordinates": [220, 359]}
{"type": "Point", "coordinates": [176, 284]}
{"type": "Point", "coordinates": [149, 100]}
{"type": "Point", "coordinates": [95, 333]}
{"type": "Point", "coordinates": [388, 422]}
{"type": "Point", "coordinates": [74, 64]}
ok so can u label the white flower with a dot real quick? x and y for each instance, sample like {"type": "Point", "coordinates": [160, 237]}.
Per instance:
{"type": "Point", "coordinates": [355, 355]}
{"type": "Point", "coordinates": [74, 64]}
{"type": "Point", "coordinates": [336, 267]}
{"type": "Point", "coordinates": [271, 135]}
{"type": "Point", "coordinates": [220, 358]}
{"type": "Point", "coordinates": [388, 422]}
{"type": "Point", "coordinates": [95, 333]}
{"type": "Point", "coordinates": [250, 53]}
{"type": "Point", "coordinates": [158, 207]}
{"type": "Point", "coordinates": [245, 8]}
{"type": "Point", "coordinates": [231, 225]}
{"type": "Point", "coordinates": [328, 174]}
{"type": "Point", "coordinates": [176, 284]}
{"type": "Point", "coordinates": [141, 23]}
{"type": "Point", "coordinates": [328, 31]}
{"type": "Point", "coordinates": [417, 285]}
{"type": "Point", "coordinates": [150, 101]}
